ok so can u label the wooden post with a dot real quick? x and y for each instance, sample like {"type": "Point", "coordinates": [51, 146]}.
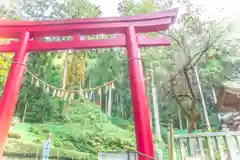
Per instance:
{"type": "Point", "coordinates": [182, 148]}
{"type": "Point", "coordinates": [171, 149]}
{"type": "Point", "coordinates": [37, 155]}
{"type": "Point", "coordinates": [93, 98]}
{"type": "Point", "coordinates": [168, 142]}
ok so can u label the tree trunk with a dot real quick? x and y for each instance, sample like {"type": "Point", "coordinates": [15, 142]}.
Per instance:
{"type": "Point", "coordinates": [109, 106]}
{"type": "Point", "coordinates": [187, 121]}
{"type": "Point", "coordinates": [64, 84]}
{"type": "Point", "coordinates": [64, 78]}
{"type": "Point", "coordinates": [106, 104]}
{"type": "Point", "coordinates": [117, 104]}
{"type": "Point", "coordinates": [90, 81]}
{"type": "Point", "coordinates": [122, 106]}
{"type": "Point", "coordinates": [100, 97]}
{"type": "Point", "coordinates": [194, 116]}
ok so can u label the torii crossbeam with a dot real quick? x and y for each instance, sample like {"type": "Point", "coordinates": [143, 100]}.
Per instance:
{"type": "Point", "coordinates": [26, 37]}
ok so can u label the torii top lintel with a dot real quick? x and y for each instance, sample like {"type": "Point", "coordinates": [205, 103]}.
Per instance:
{"type": "Point", "coordinates": [152, 22]}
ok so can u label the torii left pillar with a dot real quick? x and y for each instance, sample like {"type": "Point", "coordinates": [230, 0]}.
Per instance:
{"type": "Point", "coordinates": [12, 88]}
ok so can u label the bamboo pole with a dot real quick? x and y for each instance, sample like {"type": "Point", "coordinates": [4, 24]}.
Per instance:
{"type": "Point", "coordinates": [100, 97]}
{"type": "Point", "coordinates": [180, 118]}
{"type": "Point", "coordinates": [202, 100]}
{"type": "Point", "coordinates": [148, 98]}
{"type": "Point", "coordinates": [155, 106]}
{"type": "Point", "coordinates": [122, 106]}
{"type": "Point", "coordinates": [25, 110]}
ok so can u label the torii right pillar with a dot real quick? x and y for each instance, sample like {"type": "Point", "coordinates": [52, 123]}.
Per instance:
{"type": "Point", "coordinates": [138, 93]}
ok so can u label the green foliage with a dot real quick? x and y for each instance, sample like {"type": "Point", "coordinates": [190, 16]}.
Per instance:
{"type": "Point", "coordinates": [131, 7]}
{"type": "Point", "coordinates": [214, 72]}
{"type": "Point", "coordinates": [89, 130]}
{"type": "Point", "coordinates": [15, 146]}
{"type": "Point", "coordinates": [14, 135]}
{"type": "Point", "coordinates": [195, 41]}
{"type": "Point", "coordinates": [122, 123]}
{"type": "Point", "coordinates": [80, 9]}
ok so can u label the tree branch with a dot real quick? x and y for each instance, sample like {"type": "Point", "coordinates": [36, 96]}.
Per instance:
{"type": "Point", "coordinates": [185, 95]}
{"type": "Point", "coordinates": [176, 40]}
{"type": "Point", "coordinates": [201, 54]}
{"type": "Point", "coordinates": [185, 47]}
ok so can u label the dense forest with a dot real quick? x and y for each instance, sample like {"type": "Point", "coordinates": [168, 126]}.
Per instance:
{"type": "Point", "coordinates": [202, 55]}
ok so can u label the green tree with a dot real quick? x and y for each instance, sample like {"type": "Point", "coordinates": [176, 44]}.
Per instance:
{"type": "Point", "coordinates": [193, 39]}
{"type": "Point", "coordinates": [44, 64]}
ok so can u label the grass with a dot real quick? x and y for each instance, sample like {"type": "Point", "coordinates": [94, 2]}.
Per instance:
{"type": "Point", "coordinates": [87, 132]}
{"type": "Point", "coordinates": [14, 146]}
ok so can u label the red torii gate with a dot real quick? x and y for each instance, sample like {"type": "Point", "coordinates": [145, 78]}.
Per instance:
{"type": "Point", "coordinates": [26, 38]}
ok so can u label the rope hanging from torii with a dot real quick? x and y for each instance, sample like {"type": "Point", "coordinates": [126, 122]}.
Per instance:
{"type": "Point", "coordinates": [68, 94]}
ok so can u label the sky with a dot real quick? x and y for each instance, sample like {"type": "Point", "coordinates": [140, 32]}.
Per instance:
{"type": "Point", "coordinates": [108, 7]}
{"type": "Point", "coordinates": [230, 9]}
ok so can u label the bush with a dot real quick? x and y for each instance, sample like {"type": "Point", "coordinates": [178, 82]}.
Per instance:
{"type": "Point", "coordinates": [16, 146]}
{"type": "Point", "coordinates": [46, 130]}
{"type": "Point", "coordinates": [68, 145]}
{"type": "Point", "coordinates": [89, 131]}
{"type": "Point", "coordinates": [35, 130]}
{"type": "Point", "coordinates": [38, 141]}
{"type": "Point", "coordinates": [14, 135]}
